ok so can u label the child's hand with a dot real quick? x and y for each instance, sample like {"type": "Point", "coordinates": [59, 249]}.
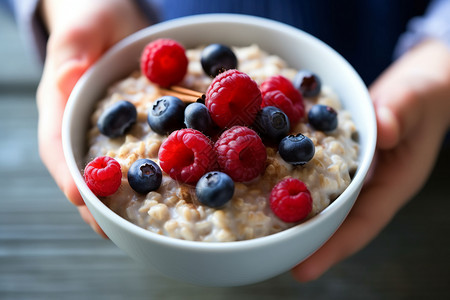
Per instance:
{"type": "Point", "coordinates": [80, 32]}
{"type": "Point", "coordinates": [412, 103]}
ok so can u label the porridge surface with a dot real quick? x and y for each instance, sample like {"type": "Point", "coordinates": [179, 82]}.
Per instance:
{"type": "Point", "coordinates": [173, 209]}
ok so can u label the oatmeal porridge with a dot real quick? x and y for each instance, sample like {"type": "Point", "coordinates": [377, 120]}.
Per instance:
{"type": "Point", "coordinates": [173, 208]}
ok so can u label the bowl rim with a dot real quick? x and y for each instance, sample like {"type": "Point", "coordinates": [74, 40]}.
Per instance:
{"type": "Point", "coordinates": [356, 183]}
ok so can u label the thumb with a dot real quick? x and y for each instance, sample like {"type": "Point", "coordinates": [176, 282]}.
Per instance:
{"type": "Point", "coordinates": [398, 111]}
{"type": "Point", "coordinates": [69, 57]}
{"type": "Point", "coordinates": [409, 90]}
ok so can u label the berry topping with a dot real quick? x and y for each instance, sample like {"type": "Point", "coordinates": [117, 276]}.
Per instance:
{"type": "Point", "coordinates": [278, 91]}
{"type": "Point", "coordinates": [117, 119]}
{"type": "Point", "coordinates": [233, 98]}
{"type": "Point", "coordinates": [323, 117]}
{"type": "Point", "coordinates": [186, 155]}
{"type": "Point", "coordinates": [307, 83]}
{"type": "Point", "coordinates": [215, 189]}
{"type": "Point", "coordinates": [241, 153]}
{"type": "Point", "coordinates": [291, 200]}
{"type": "Point", "coordinates": [144, 176]}
{"type": "Point", "coordinates": [272, 124]}
{"type": "Point", "coordinates": [103, 176]}
{"type": "Point", "coordinates": [296, 149]}
{"type": "Point", "coordinates": [164, 62]}
{"type": "Point", "coordinates": [196, 116]}
{"type": "Point", "coordinates": [166, 115]}
{"type": "Point", "coordinates": [217, 58]}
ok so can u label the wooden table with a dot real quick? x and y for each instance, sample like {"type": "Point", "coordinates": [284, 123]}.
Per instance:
{"type": "Point", "coordinates": [48, 252]}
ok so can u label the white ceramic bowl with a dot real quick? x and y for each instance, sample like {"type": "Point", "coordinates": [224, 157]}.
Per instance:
{"type": "Point", "coordinates": [232, 263]}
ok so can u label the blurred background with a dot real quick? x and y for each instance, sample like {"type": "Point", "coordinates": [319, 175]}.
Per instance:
{"type": "Point", "coordinates": [48, 252]}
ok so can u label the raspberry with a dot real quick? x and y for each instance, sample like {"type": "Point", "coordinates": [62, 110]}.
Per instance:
{"type": "Point", "coordinates": [278, 91]}
{"type": "Point", "coordinates": [241, 154]}
{"type": "Point", "coordinates": [164, 62]}
{"type": "Point", "coordinates": [233, 98]}
{"type": "Point", "coordinates": [186, 155]}
{"type": "Point", "coordinates": [290, 200]}
{"type": "Point", "coordinates": [279, 100]}
{"type": "Point", "coordinates": [103, 176]}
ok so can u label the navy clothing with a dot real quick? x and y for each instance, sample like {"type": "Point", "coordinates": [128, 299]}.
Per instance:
{"type": "Point", "coordinates": [364, 32]}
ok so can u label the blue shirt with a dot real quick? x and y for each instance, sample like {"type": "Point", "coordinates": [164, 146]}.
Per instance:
{"type": "Point", "coordinates": [364, 32]}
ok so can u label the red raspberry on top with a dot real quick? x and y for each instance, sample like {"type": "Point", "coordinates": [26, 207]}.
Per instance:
{"type": "Point", "coordinates": [241, 154]}
{"type": "Point", "coordinates": [290, 200]}
{"type": "Point", "coordinates": [103, 176]}
{"type": "Point", "coordinates": [186, 155]}
{"type": "Point", "coordinates": [233, 98]}
{"type": "Point", "coordinates": [164, 62]}
{"type": "Point", "coordinates": [279, 91]}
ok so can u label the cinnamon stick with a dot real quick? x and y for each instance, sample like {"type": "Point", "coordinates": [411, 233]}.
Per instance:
{"type": "Point", "coordinates": [185, 94]}
{"type": "Point", "coordinates": [187, 91]}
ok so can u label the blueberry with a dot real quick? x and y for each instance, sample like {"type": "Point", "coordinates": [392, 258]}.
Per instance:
{"type": "Point", "coordinates": [323, 117]}
{"type": "Point", "coordinates": [196, 116]}
{"type": "Point", "coordinates": [272, 124]}
{"type": "Point", "coordinates": [296, 149]}
{"type": "Point", "coordinates": [307, 83]}
{"type": "Point", "coordinates": [117, 119]}
{"type": "Point", "coordinates": [217, 58]}
{"type": "Point", "coordinates": [166, 115]}
{"type": "Point", "coordinates": [215, 189]}
{"type": "Point", "coordinates": [144, 176]}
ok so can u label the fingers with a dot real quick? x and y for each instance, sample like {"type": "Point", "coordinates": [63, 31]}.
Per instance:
{"type": "Point", "coordinates": [50, 148]}
{"type": "Point", "coordinates": [61, 71]}
{"type": "Point", "coordinates": [89, 219]}
{"type": "Point", "coordinates": [358, 229]}
{"type": "Point", "coordinates": [375, 207]}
